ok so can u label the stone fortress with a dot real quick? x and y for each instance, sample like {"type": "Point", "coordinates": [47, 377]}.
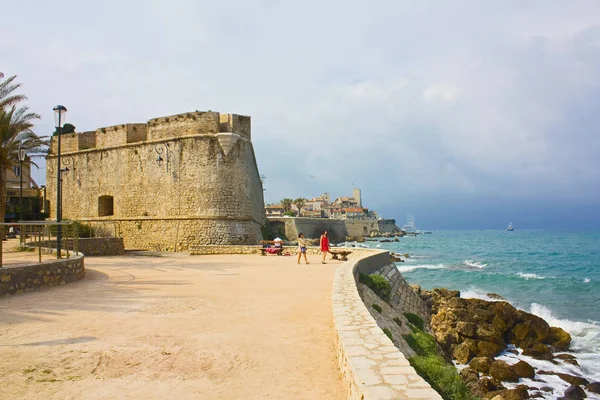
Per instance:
{"type": "Point", "coordinates": [167, 185]}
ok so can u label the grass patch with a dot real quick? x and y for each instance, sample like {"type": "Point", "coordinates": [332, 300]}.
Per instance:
{"type": "Point", "coordinates": [398, 321]}
{"type": "Point", "coordinates": [377, 307]}
{"type": "Point", "coordinates": [415, 320]}
{"type": "Point", "coordinates": [431, 366]}
{"type": "Point", "coordinates": [378, 284]}
{"type": "Point", "coordinates": [388, 333]}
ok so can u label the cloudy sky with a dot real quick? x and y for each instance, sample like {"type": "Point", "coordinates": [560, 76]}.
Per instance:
{"type": "Point", "coordinates": [467, 114]}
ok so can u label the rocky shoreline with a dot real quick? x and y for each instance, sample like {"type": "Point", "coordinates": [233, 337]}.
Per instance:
{"type": "Point", "coordinates": [478, 334]}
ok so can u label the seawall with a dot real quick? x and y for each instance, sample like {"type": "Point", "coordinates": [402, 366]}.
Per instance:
{"type": "Point", "coordinates": [372, 367]}
{"type": "Point", "coordinates": [338, 229]}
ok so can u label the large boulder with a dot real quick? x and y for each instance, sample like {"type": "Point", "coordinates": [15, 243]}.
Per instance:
{"type": "Point", "coordinates": [559, 339]}
{"type": "Point", "coordinates": [524, 370]}
{"type": "Point", "coordinates": [570, 379]}
{"type": "Point", "coordinates": [567, 358]}
{"type": "Point", "coordinates": [469, 376]}
{"type": "Point", "coordinates": [531, 327]}
{"type": "Point", "coordinates": [502, 371]}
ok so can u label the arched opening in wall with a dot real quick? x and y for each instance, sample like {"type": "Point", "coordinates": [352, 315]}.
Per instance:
{"type": "Point", "coordinates": [365, 230]}
{"type": "Point", "coordinates": [105, 206]}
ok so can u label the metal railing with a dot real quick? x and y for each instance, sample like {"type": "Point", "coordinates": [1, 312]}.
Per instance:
{"type": "Point", "coordinates": [42, 235]}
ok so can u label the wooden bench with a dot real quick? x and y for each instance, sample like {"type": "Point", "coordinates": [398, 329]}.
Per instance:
{"type": "Point", "coordinates": [270, 250]}
{"type": "Point", "coordinates": [342, 253]}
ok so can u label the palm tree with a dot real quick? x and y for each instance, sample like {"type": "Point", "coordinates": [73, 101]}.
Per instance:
{"type": "Point", "coordinates": [16, 125]}
{"type": "Point", "coordinates": [299, 203]}
{"type": "Point", "coordinates": [287, 204]}
{"type": "Point", "coordinates": [7, 98]}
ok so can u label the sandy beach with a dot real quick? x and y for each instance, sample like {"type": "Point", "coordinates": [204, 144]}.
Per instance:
{"type": "Point", "coordinates": [184, 327]}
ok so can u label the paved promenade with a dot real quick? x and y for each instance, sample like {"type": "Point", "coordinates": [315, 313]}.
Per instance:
{"type": "Point", "coordinates": [205, 327]}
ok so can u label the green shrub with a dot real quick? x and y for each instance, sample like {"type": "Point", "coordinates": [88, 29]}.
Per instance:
{"type": "Point", "coordinates": [378, 284]}
{"type": "Point", "coordinates": [388, 333]}
{"type": "Point", "coordinates": [415, 320]}
{"type": "Point", "coordinates": [422, 343]}
{"type": "Point", "coordinates": [431, 366]}
{"type": "Point", "coordinates": [398, 321]}
{"type": "Point", "coordinates": [377, 307]}
{"type": "Point", "coordinates": [442, 377]}
{"type": "Point", "coordinates": [413, 328]}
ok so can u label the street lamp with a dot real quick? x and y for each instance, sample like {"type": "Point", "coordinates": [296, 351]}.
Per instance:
{"type": "Point", "coordinates": [59, 120]}
{"type": "Point", "coordinates": [22, 156]}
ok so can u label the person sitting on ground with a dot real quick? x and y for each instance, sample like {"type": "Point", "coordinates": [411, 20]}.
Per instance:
{"type": "Point", "coordinates": [302, 248]}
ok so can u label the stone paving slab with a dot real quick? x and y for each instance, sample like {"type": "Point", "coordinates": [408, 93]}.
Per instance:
{"type": "Point", "coordinates": [372, 367]}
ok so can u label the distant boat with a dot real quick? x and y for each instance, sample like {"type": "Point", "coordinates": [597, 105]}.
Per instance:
{"type": "Point", "coordinates": [409, 226]}
{"type": "Point", "coordinates": [510, 227]}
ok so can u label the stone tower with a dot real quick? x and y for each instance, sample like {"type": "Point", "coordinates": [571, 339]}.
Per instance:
{"type": "Point", "coordinates": [166, 185]}
{"type": "Point", "coordinates": [356, 196]}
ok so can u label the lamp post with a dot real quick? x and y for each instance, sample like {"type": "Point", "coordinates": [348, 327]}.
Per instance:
{"type": "Point", "coordinates": [22, 155]}
{"type": "Point", "coordinates": [59, 120]}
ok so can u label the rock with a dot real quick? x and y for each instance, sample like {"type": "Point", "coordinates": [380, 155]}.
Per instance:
{"type": "Point", "coordinates": [508, 394]}
{"type": "Point", "coordinates": [416, 288]}
{"type": "Point", "coordinates": [593, 387]}
{"type": "Point", "coordinates": [547, 389]}
{"type": "Point", "coordinates": [467, 329]}
{"type": "Point", "coordinates": [537, 350]}
{"type": "Point", "coordinates": [489, 333]}
{"type": "Point", "coordinates": [486, 384]}
{"type": "Point", "coordinates": [574, 392]}
{"type": "Point", "coordinates": [469, 376]}
{"type": "Point", "coordinates": [524, 370]}
{"type": "Point", "coordinates": [495, 296]}
{"type": "Point", "coordinates": [464, 352]}
{"type": "Point", "coordinates": [503, 372]}
{"type": "Point", "coordinates": [489, 349]}
{"type": "Point", "coordinates": [559, 339]}
{"type": "Point", "coordinates": [571, 379]}
{"type": "Point", "coordinates": [536, 395]}
{"type": "Point", "coordinates": [568, 358]}
{"type": "Point", "coordinates": [532, 327]}
{"type": "Point", "coordinates": [481, 364]}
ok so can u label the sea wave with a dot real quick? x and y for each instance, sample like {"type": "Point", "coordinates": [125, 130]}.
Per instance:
{"type": "Point", "coordinates": [586, 280]}
{"type": "Point", "coordinates": [529, 276]}
{"type": "Point", "coordinates": [410, 268]}
{"type": "Point", "coordinates": [585, 339]}
{"type": "Point", "coordinates": [474, 264]}
{"type": "Point", "coordinates": [476, 293]}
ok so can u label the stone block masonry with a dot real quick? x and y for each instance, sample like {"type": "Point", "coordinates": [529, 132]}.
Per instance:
{"type": "Point", "coordinates": [51, 273]}
{"type": "Point", "coordinates": [372, 367]}
{"type": "Point", "coordinates": [170, 184]}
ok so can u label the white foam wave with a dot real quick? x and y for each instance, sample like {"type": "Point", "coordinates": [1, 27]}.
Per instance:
{"type": "Point", "coordinates": [586, 280]}
{"type": "Point", "coordinates": [585, 339]}
{"type": "Point", "coordinates": [529, 276]}
{"type": "Point", "coordinates": [474, 264]}
{"type": "Point", "coordinates": [475, 293]}
{"type": "Point", "coordinates": [410, 268]}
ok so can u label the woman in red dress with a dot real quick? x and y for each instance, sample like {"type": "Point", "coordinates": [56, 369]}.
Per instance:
{"type": "Point", "coordinates": [324, 245]}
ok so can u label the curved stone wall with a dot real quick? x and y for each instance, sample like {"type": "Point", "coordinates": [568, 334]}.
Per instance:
{"type": "Point", "coordinates": [35, 276]}
{"type": "Point", "coordinates": [372, 367]}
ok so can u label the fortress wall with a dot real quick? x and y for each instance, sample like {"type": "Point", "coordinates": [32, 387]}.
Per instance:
{"type": "Point", "coordinates": [111, 136]}
{"type": "Point", "coordinates": [136, 133]}
{"type": "Point", "coordinates": [338, 229]}
{"type": "Point", "coordinates": [197, 196]}
{"type": "Point", "coordinates": [387, 225]}
{"type": "Point", "coordinates": [87, 140]}
{"type": "Point", "coordinates": [193, 123]}
{"type": "Point", "coordinates": [68, 142]}
{"type": "Point", "coordinates": [239, 124]}
{"type": "Point", "coordinates": [361, 227]}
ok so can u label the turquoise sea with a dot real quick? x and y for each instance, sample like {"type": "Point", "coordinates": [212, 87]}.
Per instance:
{"type": "Point", "coordinates": [551, 273]}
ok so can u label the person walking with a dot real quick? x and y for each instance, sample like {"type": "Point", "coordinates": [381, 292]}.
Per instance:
{"type": "Point", "coordinates": [324, 245]}
{"type": "Point", "coordinates": [302, 248]}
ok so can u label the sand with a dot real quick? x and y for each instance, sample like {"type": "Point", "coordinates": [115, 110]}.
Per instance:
{"type": "Point", "coordinates": [177, 327]}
